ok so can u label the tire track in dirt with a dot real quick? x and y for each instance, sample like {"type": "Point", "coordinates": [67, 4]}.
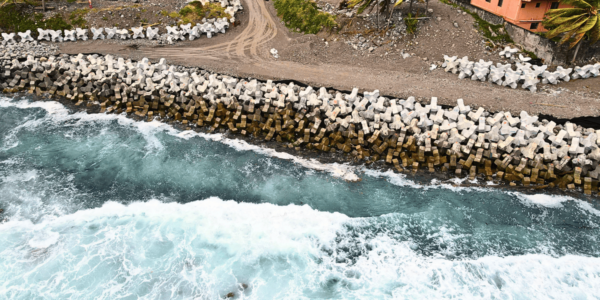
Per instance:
{"type": "Point", "coordinates": [260, 29]}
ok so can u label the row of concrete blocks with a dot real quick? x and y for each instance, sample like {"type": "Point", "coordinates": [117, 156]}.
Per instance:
{"type": "Point", "coordinates": [458, 129]}
{"type": "Point", "coordinates": [173, 33]}
{"type": "Point", "coordinates": [503, 74]}
{"type": "Point", "coordinates": [208, 27]}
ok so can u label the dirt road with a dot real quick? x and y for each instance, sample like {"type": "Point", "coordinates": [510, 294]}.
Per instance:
{"type": "Point", "coordinates": [244, 52]}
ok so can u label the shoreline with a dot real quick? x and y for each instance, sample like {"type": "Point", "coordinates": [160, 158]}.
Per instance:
{"type": "Point", "coordinates": [261, 114]}
{"type": "Point", "coordinates": [420, 177]}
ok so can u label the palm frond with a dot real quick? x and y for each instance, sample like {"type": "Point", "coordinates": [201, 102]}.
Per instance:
{"type": "Point", "coordinates": [576, 39]}
{"type": "Point", "coordinates": [558, 20]}
{"type": "Point", "coordinates": [595, 32]}
{"type": "Point", "coordinates": [553, 12]}
{"type": "Point", "coordinates": [566, 37]}
{"type": "Point", "coordinates": [591, 22]}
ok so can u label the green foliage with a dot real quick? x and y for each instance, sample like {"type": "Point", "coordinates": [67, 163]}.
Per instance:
{"type": "Point", "coordinates": [362, 4]}
{"type": "Point", "coordinates": [14, 19]}
{"type": "Point", "coordinates": [449, 3]}
{"type": "Point", "coordinates": [303, 16]}
{"type": "Point", "coordinates": [574, 23]}
{"type": "Point", "coordinates": [77, 19]}
{"type": "Point", "coordinates": [411, 23]}
{"type": "Point", "coordinates": [490, 31]}
{"type": "Point", "coordinates": [195, 11]}
{"type": "Point", "coordinates": [185, 11]}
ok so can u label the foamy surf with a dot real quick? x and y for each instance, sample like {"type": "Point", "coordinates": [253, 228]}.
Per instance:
{"type": "Point", "coordinates": [104, 207]}
{"type": "Point", "coordinates": [213, 247]}
{"type": "Point", "coordinates": [60, 114]}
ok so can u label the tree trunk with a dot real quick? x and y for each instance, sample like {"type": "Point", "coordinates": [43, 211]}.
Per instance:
{"type": "Point", "coordinates": [410, 7]}
{"type": "Point", "coordinates": [427, 7]}
{"type": "Point", "coordinates": [44, 5]}
{"type": "Point", "coordinates": [575, 54]}
{"type": "Point", "coordinates": [378, 10]}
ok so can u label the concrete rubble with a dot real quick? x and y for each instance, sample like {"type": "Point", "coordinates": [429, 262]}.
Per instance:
{"type": "Point", "coordinates": [404, 133]}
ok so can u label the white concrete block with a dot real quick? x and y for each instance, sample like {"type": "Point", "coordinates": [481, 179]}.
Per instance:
{"type": "Point", "coordinates": [111, 32]}
{"type": "Point", "coordinates": [56, 35]}
{"type": "Point", "coordinates": [26, 36]}
{"type": "Point", "coordinates": [9, 37]}
{"type": "Point", "coordinates": [82, 34]}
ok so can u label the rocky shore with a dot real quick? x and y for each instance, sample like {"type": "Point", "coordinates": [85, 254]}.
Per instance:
{"type": "Point", "coordinates": [402, 133]}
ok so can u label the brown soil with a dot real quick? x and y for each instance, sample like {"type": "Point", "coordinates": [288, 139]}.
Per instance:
{"type": "Point", "coordinates": [244, 51]}
{"type": "Point", "coordinates": [106, 13]}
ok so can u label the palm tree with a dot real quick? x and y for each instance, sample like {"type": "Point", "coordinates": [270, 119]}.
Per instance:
{"type": "Point", "coordinates": [574, 23]}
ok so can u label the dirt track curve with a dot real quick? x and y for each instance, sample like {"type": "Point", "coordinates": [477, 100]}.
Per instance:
{"type": "Point", "coordinates": [244, 52]}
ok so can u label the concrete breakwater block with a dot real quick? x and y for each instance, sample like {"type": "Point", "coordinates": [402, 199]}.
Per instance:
{"type": "Point", "coordinates": [25, 36]}
{"type": "Point", "coordinates": [152, 33]}
{"type": "Point", "coordinates": [404, 133]}
{"type": "Point", "coordinates": [97, 33]}
{"type": "Point", "coordinates": [523, 72]}
{"type": "Point", "coordinates": [43, 35]}
{"type": "Point", "coordinates": [8, 37]}
{"type": "Point", "coordinates": [138, 32]}
{"type": "Point", "coordinates": [82, 34]}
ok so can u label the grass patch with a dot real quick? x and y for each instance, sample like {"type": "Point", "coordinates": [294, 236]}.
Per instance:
{"type": "Point", "coordinates": [76, 17]}
{"type": "Point", "coordinates": [303, 16]}
{"type": "Point", "coordinates": [14, 19]}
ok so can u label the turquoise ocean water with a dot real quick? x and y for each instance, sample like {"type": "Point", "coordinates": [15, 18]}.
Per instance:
{"type": "Point", "coordinates": [104, 207]}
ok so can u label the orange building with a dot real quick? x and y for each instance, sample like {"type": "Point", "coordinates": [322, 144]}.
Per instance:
{"type": "Point", "coordinates": [527, 14]}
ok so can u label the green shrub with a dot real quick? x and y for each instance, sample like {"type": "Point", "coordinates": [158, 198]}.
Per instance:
{"type": "Point", "coordinates": [185, 11]}
{"type": "Point", "coordinates": [411, 23]}
{"type": "Point", "coordinates": [14, 19]}
{"type": "Point", "coordinates": [303, 16]}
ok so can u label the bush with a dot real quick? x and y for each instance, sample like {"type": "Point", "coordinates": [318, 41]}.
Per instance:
{"type": "Point", "coordinates": [303, 16]}
{"type": "Point", "coordinates": [13, 19]}
{"type": "Point", "coordinates": [411, 23]}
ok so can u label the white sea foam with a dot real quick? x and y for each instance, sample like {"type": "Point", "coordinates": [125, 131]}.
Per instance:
{"type": "Point", "coordinates": [60, 114]}
{"type": "Point", "coordinates": [209, 248]}
{"type": "Point", "coordinates": [550, 201]}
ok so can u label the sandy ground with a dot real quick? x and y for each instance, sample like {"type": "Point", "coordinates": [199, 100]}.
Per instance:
{"type": "Point", "coordinates": [327, 60]}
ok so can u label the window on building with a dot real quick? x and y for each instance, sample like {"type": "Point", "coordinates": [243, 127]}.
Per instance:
{"type": "Point", "coordinates": [500, 3]}
{"type": "Point", "coordinates": [534, 25]}
{"type": "Point", "coordinates": [554, 5]}
{"type": "Point", "coordinates": [538, 4]}
{"type": "Point", "coordinates": [523, 5]}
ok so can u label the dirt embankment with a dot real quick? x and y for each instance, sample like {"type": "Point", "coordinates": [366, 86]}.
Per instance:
{"type": "Point", "coordinates": [329, 60]}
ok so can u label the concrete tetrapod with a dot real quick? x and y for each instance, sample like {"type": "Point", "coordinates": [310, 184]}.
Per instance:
{"type": "Point", "coordinates": [365, 126]}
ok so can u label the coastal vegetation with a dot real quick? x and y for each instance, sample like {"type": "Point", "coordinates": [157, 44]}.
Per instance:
{"type": "Point", "coordinates": [303, 16]}
{"type": "Point", "coordinates": [574, 23]}
{"type": "Point", "coordinates": [14, 18]}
